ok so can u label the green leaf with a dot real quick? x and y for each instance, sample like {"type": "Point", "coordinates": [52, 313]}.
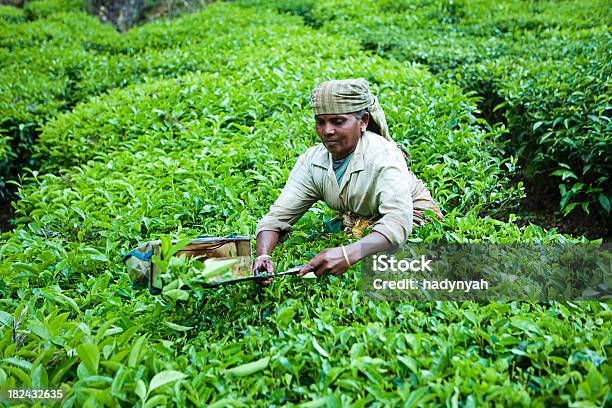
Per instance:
{"type": "Point", "coordinates": [177, 294]}
{"type": "Point", "coordinates": [318, 403]}
{"type": "Point", "coordinates": [54, 293]}
{"type": "Point", "coordinates": [525, 324]}
{"type": "Point", "coordinates": [138, 345]}
{"type": "Point", "coordinates": [39, 377]}
{"type": "Point", "coordinates": [95, 254]}
{"type": "Point", "coordinates": [226, 402]}
{"type": "Point", "coordinates": [166, 246]}
{"type": "Point", "coordinates": [568, 208]}
{"type": "Point", "coordinates": [62, 370]}
{"type": "Point", "coordinates": [161, 263]}
{"type": "Point", "coordinates": [158, 400]}
{"type": "Point", "coordinates": [89, 355]}
{"type": "Point", "coordinates": [165, 377]}
{"type": "Point", "coordinates": [249, 368]}
{"type": "Point", "coordinates": [118, 381]}
{"type": "Point", "coordinates": [214, 267]}
{"type": "Point", "coordinates": [6, 319]}
{"type": "Point", "coordinates": [499, 106]}
{"type": "Point", "coordinates": [594, 118]}
{"type": "Point", "coordinates": [319, 348]}
{"type": "Point", "coordinates": [141, 390]}
{"type": "Point", "coordinates": [178, 327]}
{"type": "Point", "coordinates": [409, 362]}
{"type": "Point", "coordinates": [605, 202]}
{"type": "Point", "coordinates": [564, 174]}
{"type": "Point", "coordinates": [285, 316]}
{"type": "Point", "coordinates": [332, 375]}
{"type": "Point", "coordinates": [247, 130]}
{"type": "Point", "coordinates": [179, 245]}
{"type": "Point", "coordinates": [594, 381]}
{"type": "Point", "coordinates": [19, 374]}
{"type": "Point", "coordinates": [39, 329]}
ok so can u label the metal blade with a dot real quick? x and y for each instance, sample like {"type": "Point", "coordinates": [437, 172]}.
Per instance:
{"type": "Point", "coordinates": [293, 271]}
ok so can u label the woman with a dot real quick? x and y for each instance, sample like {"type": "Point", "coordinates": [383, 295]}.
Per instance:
{"type": "Point", "coordinates": [358, 169]}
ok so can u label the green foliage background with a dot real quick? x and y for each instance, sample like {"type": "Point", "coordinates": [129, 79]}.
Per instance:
{"type": "Point", "coordinates": [191, 126]}
{"type": "Point", "coordinates": [542, 68]}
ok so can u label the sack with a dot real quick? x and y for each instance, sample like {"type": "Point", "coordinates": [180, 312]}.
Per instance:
{"type": "Point", "coordinates": [145, 274]}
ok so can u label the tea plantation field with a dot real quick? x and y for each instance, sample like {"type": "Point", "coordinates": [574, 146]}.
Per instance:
{"type": "Point", "coordinates": [191, 126]}
{"type": "Point", "coordinates": [542, 68]}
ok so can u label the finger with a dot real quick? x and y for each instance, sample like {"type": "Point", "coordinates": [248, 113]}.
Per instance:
{"type": "Point", "coordinates": [322, 269]}
{"type": "Point", "coordinates": [305, 269]}
{"type": "Point", "coordinates": [257, 265]}
{"type": "Point", "coordinates": [311, 266]}
{"type": "Point", "coordinates": [259, 270]}
{"type": "Point", "coordinates": [318, 264]}
{"type": "Point", "coordinates": [264, 265]}
{"type": "Point", "coordinates": [270, 266]}
{"type": "Point", "coordinates": [338, 269]}
{"type": "Point", "coordinates": [339, 272]}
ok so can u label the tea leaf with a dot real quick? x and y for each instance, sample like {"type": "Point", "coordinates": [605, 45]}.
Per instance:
{"type": "Point", "coordinates": [89, 354]}
{"type": "Point", "coordinates": [249, 368]}
{"type": "Point", "coordinates": [165, 377]}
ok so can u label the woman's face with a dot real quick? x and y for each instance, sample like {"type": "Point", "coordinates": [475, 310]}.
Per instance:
{"type": "Point", "coordinates": [340, 133]}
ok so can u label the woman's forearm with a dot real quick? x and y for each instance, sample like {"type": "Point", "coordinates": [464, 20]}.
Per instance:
{"type": "Point", "coordinates": [369, 245]}
{"type": "Point", "coordinates": [266, 242]}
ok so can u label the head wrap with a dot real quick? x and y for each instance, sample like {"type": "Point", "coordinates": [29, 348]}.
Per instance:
{"type": "Point", "coordinates": [347, 96]}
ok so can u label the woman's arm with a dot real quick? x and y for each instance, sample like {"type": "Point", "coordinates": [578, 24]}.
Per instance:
{"type": "Point", "coordinates": [266, 242]}
{"type": "Point", "coordinates": [298, 195]}
{"type": "Point", "coordinates": [332, 260]}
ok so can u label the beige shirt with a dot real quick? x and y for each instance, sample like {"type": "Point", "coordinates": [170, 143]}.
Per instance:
{"type": "Point", "coordinates": [377, 184]}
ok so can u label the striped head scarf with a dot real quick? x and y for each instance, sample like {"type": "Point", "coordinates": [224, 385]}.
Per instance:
{"type": "Point", "coordinates": [347, 96]}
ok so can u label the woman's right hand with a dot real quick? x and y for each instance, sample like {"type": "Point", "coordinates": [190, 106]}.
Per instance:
{"type": "Point", "coordinates": [263, 265]}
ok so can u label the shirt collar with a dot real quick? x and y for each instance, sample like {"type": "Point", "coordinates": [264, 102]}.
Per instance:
{"type": "Point", "coordinates": [325, 160]}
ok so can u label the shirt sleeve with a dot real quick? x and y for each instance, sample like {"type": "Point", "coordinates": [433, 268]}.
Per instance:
{"type": "Point", "coordinates": [295, 199]}
{"type": "Point", "coordinates": [393, 188]}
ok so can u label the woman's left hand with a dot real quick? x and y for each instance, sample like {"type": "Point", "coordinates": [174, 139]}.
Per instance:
{"type": "Point", "coordinates": [330, 260]}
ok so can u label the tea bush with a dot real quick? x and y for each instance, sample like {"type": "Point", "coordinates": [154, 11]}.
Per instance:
{"type": "Point", "coordinates": [52, 63]}
{"type": "Point", "coordinates": [557, 113]}
{"type": "Point", "coordinates": [42, 61]}
{"type": "Point", "coordinates": [10, 14]}
{"type": "Point", "coordinates": [543, 66]}
{"type": "Point", "coordinates": [207, 153]}
{"type": "Point", "coordinates": [43, 8]}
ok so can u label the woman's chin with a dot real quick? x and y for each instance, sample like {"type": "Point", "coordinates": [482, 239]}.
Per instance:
{"type": "Point", "coordinates": [333, 147]}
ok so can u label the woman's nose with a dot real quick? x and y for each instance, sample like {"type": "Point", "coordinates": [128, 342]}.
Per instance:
{"type": "Point", "coordinates": [328, 129]}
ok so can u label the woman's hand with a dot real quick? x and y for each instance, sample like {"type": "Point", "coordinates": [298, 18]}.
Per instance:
{"type": "Point", "coordinates": [330, 260]}
{"type": "Point", "coordinates": [266, 241]}
{"type": "Point", "coordinates": [263, 265]}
